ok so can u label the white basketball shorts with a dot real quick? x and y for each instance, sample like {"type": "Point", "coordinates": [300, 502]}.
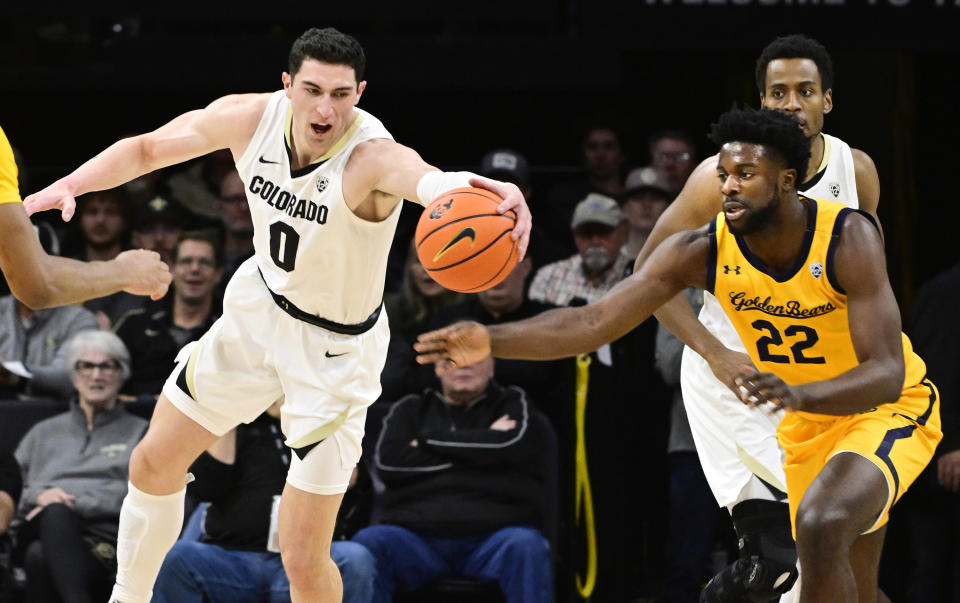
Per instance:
{"type": "Point", "coordinates": [256, 354]}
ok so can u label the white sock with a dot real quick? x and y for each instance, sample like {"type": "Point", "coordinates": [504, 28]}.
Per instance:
{"type": "Point", "coordinates": [149, 526]}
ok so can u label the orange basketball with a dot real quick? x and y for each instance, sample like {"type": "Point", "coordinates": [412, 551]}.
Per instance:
{"type": "Point", "coordinates": [464, 243]}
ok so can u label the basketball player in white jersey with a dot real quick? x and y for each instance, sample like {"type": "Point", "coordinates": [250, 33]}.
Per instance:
{"type": "Point", "coordinates": [738, 446]}
{"type": "Point", "coordinates": [302, 319]}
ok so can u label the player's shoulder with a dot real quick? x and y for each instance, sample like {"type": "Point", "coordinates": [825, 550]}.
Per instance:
{"type": "Point", "coordinates": [253, 104]}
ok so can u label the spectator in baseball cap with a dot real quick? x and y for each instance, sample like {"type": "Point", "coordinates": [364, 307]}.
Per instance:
{"type": "Point", "coordinates": [648, 195]}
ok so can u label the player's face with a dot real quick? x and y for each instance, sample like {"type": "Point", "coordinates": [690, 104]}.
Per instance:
{"type": "Point", "coordinates": [794, 87]}
{"type": "Point", "coordinates": [97, 378]}
{"type": "Point", "coordinates": [195, 273]}
{"type": "Point", "coordinates": [322, 96]}
{"type": "Point", "coordinates": [750, 184]}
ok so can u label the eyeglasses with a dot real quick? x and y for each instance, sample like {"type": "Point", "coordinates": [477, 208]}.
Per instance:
{"type": "Point", "coordinates": [85, 369]}
{"type": "Point", "coordinates": [671, 157]}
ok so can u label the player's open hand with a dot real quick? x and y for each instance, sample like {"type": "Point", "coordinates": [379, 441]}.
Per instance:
{"type": "Point", "coordinates": [756, 389]}
{"type": "Point", "coordinates": [146, 274]}
{"type": "Point", "coordinates": [56, 196]}
{"type": "Point", "coordinates": [727, 365]}
{"type": "Point", "coordinates": [512, 199]}
{"type": "Point", "coordinates": [460, 344]}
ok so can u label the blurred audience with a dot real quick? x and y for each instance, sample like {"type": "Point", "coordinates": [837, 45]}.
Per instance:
{"type": "Point", "coordinates": [31, 341]}
{"type": "Point", "coordinates": [75, 477]}
{"type": "Point", "coordinates": [600, 232]}
{"type": "Point", "coordinates": [931, 515]}
{"type": "Point", "coordinates": [159, 222]}
{"type": "Point", "coordinates": [674, 155]}
{"type": "Point", "coordinates": [648, 195]}
{"type": "Point", "coordinates": [156, 331]}
{"type": "Point", "coordinates": [603, 159]}
{"type": "Point", "coordinates": [11, 485]}
{"type": "Point", "coordinates": [464, 490]}
{"type": "Point", "coordinates": [237, 222]}
{"type": "Point", "coordinates": [235, 556]}
{"type": "Point", "coordinates": [510, 166]}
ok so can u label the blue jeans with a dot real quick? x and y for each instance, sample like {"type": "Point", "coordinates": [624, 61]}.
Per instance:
{"type": "Point", "coordinates": [197, 572]}
{"type": "Point", "coordinates": [518, 558]}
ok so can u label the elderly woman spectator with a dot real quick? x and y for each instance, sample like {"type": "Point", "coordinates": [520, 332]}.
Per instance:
{"type": "Point", "coordinates": [75, 477]}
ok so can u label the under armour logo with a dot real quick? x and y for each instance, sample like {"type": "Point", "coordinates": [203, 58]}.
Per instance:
{"type": "Point", "coordinates": [727, 269]}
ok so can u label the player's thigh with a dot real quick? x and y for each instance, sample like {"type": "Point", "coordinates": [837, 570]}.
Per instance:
{"type": "Point", "coordinates": [172, 442]}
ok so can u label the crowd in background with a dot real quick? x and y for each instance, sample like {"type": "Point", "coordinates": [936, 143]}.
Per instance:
{"type": "Point", "coordinates": [480, 464]}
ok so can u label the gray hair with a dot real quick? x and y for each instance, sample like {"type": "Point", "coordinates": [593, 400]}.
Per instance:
{"type": "Point", "coordinates": [102, 341]}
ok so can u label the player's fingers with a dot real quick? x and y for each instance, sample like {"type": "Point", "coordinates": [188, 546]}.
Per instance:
{"type": "Point", "coordinates": [431, 358]}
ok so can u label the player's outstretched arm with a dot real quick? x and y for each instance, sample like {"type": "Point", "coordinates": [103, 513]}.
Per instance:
{"type": "Point", "coordinates": [874, 322]}
{"type": "Point", "coordinates": [563, 332]}
{"type": "Point", "coordinates": [228, 122]}
{"type": "Point", "coordinates": [40, 280]}
{"type": "Point", "coordinates": [401, 172]}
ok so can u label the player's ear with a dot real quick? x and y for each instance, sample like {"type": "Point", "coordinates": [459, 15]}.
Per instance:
{"type": "Point", "coordinates": [360, 88]}
{"type": "Point", "coordinates": [788, 179]}
{"type": "Point", "coordinates": [287, 80]}
{"type": "Point", "coordinates": [828, 101]}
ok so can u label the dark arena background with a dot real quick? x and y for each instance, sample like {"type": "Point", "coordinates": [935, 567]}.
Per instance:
{"type": "Point", "coordinates": [455, 79]}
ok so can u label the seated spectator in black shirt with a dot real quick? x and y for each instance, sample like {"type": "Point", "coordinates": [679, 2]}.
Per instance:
{"type": "Point", "coordinates": [464, 490]}
{"type": "Point", "coordinates": [543, 382]}
{"type": "Point", "coordinates": [75, 477]}
{"type": "Point", "coordinates": [156, 332]}
{"type": "Point", "coordinates": [237, 557]}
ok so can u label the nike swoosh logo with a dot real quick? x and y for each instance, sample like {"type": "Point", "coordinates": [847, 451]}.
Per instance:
{"type": "Point", "coordinates": [466, 233]}
{"type": "Point", "coordinates": [329, 355]}
{"type": "Point", "coordinates": [262, 160]}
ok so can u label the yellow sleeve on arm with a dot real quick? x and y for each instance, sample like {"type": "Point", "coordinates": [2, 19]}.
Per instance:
{"type": "Point", "coordinates": [9, 191]}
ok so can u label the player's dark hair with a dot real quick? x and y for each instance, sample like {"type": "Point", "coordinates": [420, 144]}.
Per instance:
{"type": "Point", "coordinates": [208, 235]}
{"type": "Point", "coordinates": [776, 132]}
{"type": "Point", "coordinates": [329, 46]}
{"type": "Point", "coordinates": [795, 46]}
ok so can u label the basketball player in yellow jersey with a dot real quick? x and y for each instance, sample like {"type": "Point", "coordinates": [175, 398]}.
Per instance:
{"type": "Point", "coordinates": [40, 280]}
{"type": "Point", "coordinates": [804, 283]}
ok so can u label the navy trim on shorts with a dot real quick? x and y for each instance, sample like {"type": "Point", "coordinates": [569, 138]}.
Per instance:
{"type": "Point", "coordinates": [883, 451]}
{"type": "Point", "coordinates": [711, 283]}
{"type": "Point", "coordinates": [922, 419]}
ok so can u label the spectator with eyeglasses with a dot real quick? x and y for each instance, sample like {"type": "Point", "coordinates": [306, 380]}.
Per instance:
{"type": "Point", "coordinates": [74, 468]}
{"type": "Point", "coordinates": [673, 154]}
{"type": "Point", "coordinates": [156, 331]}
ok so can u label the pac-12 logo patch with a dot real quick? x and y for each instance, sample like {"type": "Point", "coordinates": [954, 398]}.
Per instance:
{"type": "Point", "coordinates": [816, 269]}
{"type": "Point", "coordinates": [835, 189]}
{"type": "Point", "coordinates": [322, 183]}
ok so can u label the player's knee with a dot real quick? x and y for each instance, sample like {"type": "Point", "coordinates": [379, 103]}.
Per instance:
{"type": "Point", "coordinates": [303, 563]}
{"type": "Point", "coordinates": [147, 466]}
{"type": "Point", "coordinates": [767, 564]}
{"type": "Point", "coordinates": [822, 524]}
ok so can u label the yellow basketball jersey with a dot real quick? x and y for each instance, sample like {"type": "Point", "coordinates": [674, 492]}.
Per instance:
{"type": "Point", "coordinates": [9, 190]}
{"type": "Point", "coordinates": [793, 324]}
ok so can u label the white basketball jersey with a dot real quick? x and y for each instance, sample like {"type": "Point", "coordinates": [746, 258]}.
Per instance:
{"type": "Point", "coordinates": [836, 181]}
{"type": "Point", "coordinates": [309, 245]}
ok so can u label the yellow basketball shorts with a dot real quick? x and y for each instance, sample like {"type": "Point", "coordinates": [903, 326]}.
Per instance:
{"type": "Point", "coordinates": [899, 438]}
